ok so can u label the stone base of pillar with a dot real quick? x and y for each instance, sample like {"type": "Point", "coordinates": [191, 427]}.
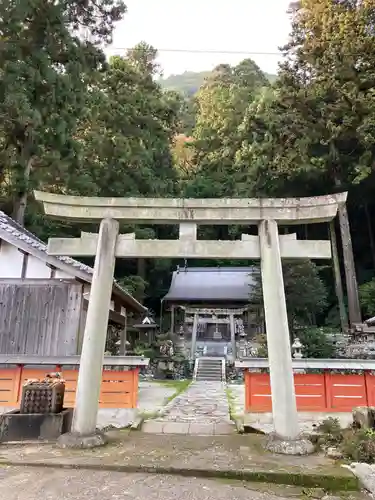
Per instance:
{"type": "Point", "coordinates": [78, 441]}
{"type": "Point", "coordinates": [281, 446]}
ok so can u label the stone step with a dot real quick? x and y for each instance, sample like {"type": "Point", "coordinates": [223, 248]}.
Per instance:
{"type": "Point", "coordinates": [210, 368]}
{"type": "Point", "coordinates": [205, 370]}
{"type": "Point", "coordinates": [209, 379]}
{"type": "Point", "coordinates": [216, 367]}
{"type": "Point", "coordinates": [206, 365]}
{"type": "Point", "coordinates": [208, 360]}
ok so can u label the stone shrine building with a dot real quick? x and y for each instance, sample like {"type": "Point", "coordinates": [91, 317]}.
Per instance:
{"type": "Point", "coordinates": [215, 310]}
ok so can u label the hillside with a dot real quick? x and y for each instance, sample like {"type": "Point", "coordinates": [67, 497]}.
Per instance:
{"type": "Point", "coordinates": [189, 82]}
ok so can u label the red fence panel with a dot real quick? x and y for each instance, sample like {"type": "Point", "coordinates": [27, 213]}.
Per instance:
{"type": "Point", "coordinates": [119, 389]}
{"type": "Point", "coordinates": [370, 388]}
{"type": "Point", "coordinates": [258, 391]}
{"type": "Point", "coordinates": [310, 392]}
{"type": "Point", "coordinates": [347, 392]}
{"type": "Point", "coordinates": [322, 392]}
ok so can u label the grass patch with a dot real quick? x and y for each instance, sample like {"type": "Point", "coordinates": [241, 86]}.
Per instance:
{"type": "Point", "coordinates": [232, 405]}
{"type": "Point", "coordinates": [179, 386]}
{"type": "Point", "coordinates": [149, 415]}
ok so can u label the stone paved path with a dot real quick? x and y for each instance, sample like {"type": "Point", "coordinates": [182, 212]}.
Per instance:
{"type": "Point", "coordinates": [202, 409]}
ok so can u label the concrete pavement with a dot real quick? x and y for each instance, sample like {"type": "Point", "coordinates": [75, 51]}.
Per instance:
{"type": "Point", "coordinates": [23, 483]}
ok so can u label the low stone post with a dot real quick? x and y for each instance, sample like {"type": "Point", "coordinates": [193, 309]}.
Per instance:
{"type": "Point", "coordinates": [284, 406]}
{"type": "Point", "coordinates": [194, 336]}
{"type": "Point", "coordinates": [233, 335]}
{"type": "Point", "coordinates": [83, 431]}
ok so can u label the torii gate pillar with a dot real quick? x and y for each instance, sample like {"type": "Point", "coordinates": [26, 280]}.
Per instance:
{"type": "Point", "coordinates": [285, 416]}
{"type": "Point", "coordinates": [93, 347]}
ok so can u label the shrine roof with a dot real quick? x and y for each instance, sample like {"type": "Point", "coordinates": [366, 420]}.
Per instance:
{"type": "Point", "coordinates": [234, 284]}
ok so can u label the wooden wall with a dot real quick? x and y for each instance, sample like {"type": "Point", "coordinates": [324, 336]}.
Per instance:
{"type": "Point", "coordinates": [40, 316]}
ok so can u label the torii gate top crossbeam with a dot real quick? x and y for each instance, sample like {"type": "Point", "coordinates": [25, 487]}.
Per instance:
{"type": "Point", "coordinates": [243, 211]}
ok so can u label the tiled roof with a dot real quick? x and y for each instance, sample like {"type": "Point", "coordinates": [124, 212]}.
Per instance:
{"type": "Point", "coordinates": [15, 230]}
{"type": "Point", "coordinates": [213, 284]}
{"type": "Point", "coordinates": [20, 233]}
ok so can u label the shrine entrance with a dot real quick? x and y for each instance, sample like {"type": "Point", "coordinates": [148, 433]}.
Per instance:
{"type": "Point", "coordinates": [215, 310]}
{"type": "Point", "coordinates": [214, 332]}
{"type": "Point", "coordinates": [269, 246]}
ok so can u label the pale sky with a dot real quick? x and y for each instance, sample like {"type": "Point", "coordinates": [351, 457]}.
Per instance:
{"type": "Point", "coordinates": [216, 25]}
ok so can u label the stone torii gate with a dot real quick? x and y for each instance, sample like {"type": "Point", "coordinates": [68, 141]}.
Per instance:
{"type": "Point", "coordinates": [269, 246]}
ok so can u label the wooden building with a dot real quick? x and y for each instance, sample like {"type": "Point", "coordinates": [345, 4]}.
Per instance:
{"type": "Point", "coordinates": [44, 299]}
{"type": "Point", "coordinates": [213, 308]}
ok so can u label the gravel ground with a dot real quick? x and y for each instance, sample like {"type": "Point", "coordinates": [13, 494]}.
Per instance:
{"type": "Point", "coordinates": [23, 483]}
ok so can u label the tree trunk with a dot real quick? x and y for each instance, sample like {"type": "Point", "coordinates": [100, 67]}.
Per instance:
{"type": "Point", "coordinates": [19, 207]}
{"type": "Point", "coordinates": [371, 234]}
{"type": "Point", "coordinates": [141, 271]}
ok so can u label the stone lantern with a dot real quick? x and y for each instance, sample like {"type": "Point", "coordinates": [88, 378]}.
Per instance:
{"type": "Point", "coordinates": [242, 344]}
{"type": "Point", "coordinates": [181, 342]}
{"type": "Point", "coordinates": [297, 349]}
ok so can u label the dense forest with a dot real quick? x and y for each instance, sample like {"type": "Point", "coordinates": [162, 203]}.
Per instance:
{"type": "Point", "coordinates": [74, 122]}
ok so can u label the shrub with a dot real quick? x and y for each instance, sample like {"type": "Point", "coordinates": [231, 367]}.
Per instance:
{"type": "Point", "coordinates": [316, 342]}
{"type": "Point", "coordinates": [359, 445]}
{"type": "Point", "coordinates": [332, 434]}
{"type": "Point", "coordinates": [367, 296]}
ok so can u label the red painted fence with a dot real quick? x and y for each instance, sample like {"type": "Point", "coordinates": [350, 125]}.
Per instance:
{"type": "Point", "coordinates": [119, 389]}
{"type": "Point", "coordinates": [323, 392]}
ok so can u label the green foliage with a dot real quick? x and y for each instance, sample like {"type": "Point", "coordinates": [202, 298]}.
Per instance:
{"type": "Point", "coordinates": [190, 82]}
{"type": "Point", "coordinates": [306, 293]}
{"type": "Point", "coordinates": [316, 126]}
{"type": "Point", "coordinates": [45, 68]}
{"type": "Point", "coordinates": [220, 106]}
{"type": "Point", "coordinates": [359, 445]}
{"type": "Point", "coordinates": [126, 138]}
{"type": "Point", "coordinates": [187, 83]}
{"type": "Point", "coordinates": [135, 285]}
{"type": "Point", "coordinates": [367, 297]}
{"type": "Point", "coordinates": [72, 122]}
{"type": "Point", "coordinates": [316, 343]}
{"type": "Point", "coordinates": [142, 349]}
{"type": "Point", "coordinates": [331, 432]}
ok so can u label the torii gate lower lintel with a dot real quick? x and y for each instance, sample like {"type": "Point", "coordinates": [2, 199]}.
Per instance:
{"type": "Point", "coordinates": [268, 246]}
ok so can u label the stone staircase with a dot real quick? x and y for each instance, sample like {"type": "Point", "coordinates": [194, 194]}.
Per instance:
{"type": "Point", "coordinates": [209, 368]}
